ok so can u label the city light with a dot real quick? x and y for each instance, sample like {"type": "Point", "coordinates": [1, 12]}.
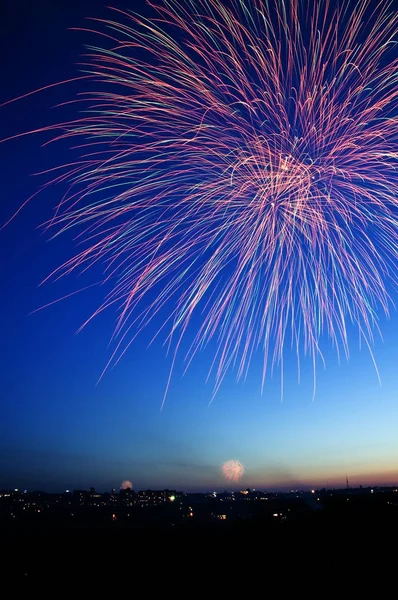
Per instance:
{"type": "Point", "coordinates": [226, 506]}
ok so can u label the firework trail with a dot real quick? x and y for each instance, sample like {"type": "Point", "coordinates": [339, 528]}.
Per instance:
{"type": "Point", "coordinates": [233, 470]}
{"type": "Point", "coordinates": [239, 162]}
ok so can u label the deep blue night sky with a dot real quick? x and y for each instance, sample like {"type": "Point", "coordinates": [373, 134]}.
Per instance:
{"type": "Point", "coordinates": [58, 429]}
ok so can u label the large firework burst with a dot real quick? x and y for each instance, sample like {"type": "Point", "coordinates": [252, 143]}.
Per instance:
{"type": "Point", "coordinates": [239, 161]}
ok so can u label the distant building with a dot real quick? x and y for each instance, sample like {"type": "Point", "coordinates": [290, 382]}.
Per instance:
{"type": "Point", "coordinates": [80, 496]}
{"type": "Point", "coordinates": [156, 497]}
{"type": "Point", "coordinates": [127, 497]}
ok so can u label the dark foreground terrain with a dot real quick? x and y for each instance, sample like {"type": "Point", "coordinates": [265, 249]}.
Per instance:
{"type": "Point", "coordinates": [347, 537]}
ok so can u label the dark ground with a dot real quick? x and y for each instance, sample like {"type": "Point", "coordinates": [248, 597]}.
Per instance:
{"type": "Point", "coordinates": [320, 548]}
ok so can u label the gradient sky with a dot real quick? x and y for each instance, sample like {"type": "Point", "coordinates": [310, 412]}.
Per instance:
{"type": "Point", "coordinates": [58, 429]}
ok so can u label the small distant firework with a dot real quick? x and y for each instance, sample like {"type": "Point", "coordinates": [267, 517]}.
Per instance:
{"type": "Point", "coordinates": [233, 470]}
{"type": "Point", "coordinates": [126, 485]}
